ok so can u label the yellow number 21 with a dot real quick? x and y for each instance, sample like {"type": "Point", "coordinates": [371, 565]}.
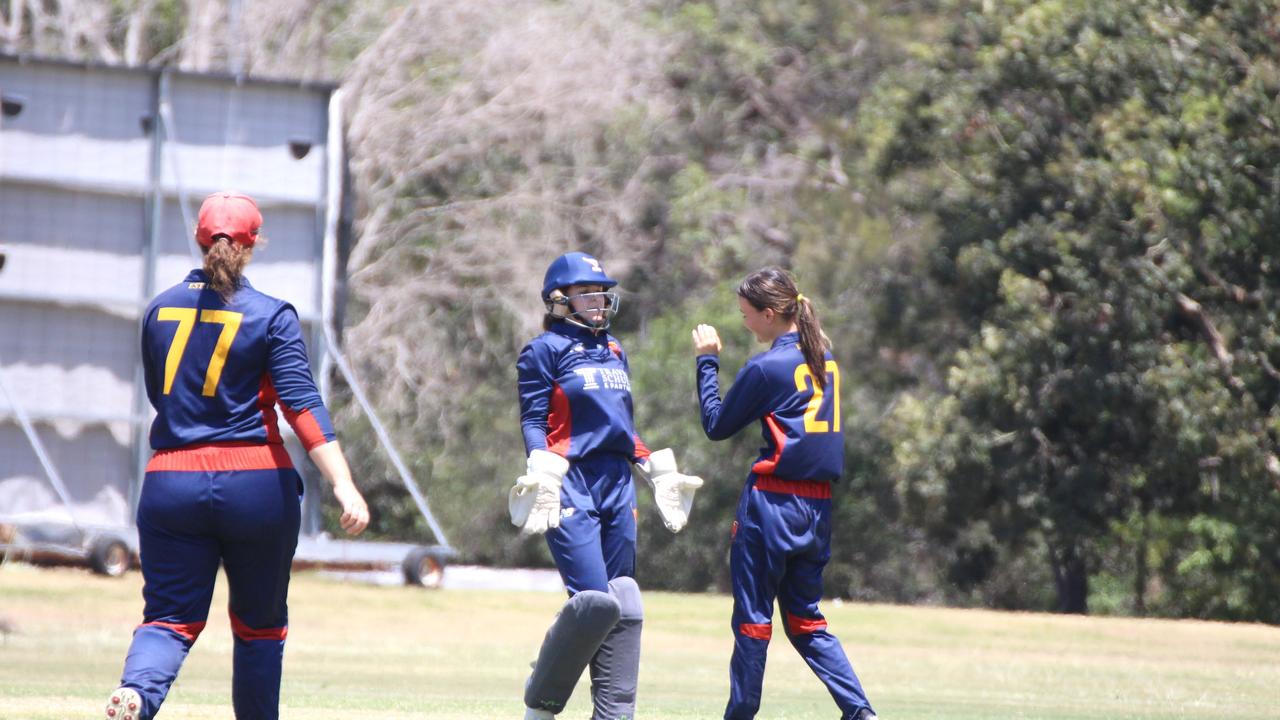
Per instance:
{"type": "Point", "coordinates": [186, 319]}
{"type": "Point", "coordinates": [804, 378]}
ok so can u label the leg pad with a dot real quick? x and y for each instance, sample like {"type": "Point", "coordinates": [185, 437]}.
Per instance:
{"type": "Point", "coordinates": [569, 645]}
{"type": "Point", "coordinates": [615, 669]}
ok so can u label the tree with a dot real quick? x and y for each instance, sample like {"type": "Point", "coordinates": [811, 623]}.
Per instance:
{"type": "Point", "coordinates": [1103, 178]}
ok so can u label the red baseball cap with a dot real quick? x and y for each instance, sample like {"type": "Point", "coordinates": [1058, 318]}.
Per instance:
{"type": "Point", "coordinates": [230, 214]}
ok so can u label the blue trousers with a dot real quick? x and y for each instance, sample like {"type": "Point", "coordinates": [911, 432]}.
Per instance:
{"type": "Point", "coordinates": [596, 540]}
{"type": "Point", "coordinates": [781, 543]}
{"type": "Point", "coordinates": [188, 524]}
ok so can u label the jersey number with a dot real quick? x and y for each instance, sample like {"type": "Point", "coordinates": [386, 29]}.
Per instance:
{"type": "Point", "coordinates": [804, 378]}
{"type": "Point", "coordinates": [186, 319]}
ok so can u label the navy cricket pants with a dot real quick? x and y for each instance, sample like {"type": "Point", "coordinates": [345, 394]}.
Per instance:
{"type": "Point", "coordinates": [781, 543]}
{"type": "Point", "coordinates": [596, 540]}
{"type": "Point", "coordinates": [188, 523]}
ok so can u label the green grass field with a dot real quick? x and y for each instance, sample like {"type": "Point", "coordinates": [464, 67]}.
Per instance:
{"type": "Point", "coordinates": [361, 651]}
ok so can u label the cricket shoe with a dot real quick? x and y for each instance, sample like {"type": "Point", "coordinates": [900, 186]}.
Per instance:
{"type": "Point", "coordinates": [536, 714]}
{"type": "Point", "coordinates": [865, 714]}
{"type": "Point", "coordinates": [125, 704]}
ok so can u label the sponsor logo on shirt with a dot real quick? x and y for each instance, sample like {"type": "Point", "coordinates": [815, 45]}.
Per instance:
{"type": "Point", "coordinates": [589, 378]}
{"type": "Point", "coordinates": [608, 378]}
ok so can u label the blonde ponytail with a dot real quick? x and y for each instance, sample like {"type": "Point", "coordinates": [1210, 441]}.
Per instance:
{"type": "Point", "coordinates": [224, 263]}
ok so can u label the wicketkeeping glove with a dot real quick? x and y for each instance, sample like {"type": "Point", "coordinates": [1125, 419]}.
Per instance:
{"type": "Point", "coordinates": [534, 501]}
{"type": "Point", "coordinates": [672, 490]}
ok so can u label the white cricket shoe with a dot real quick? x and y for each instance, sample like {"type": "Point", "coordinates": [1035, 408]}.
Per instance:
{"type": "Point", "coordinates": [124, 704]}
{"type": "Point", "coordinates": [535, 714]}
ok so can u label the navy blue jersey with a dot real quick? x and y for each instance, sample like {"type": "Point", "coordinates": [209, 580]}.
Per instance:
{"type": "Point", "coordinates": [575, 395]}
{"type": "Point", "coordinates": [800, 422]}
{"type": "Point", "coordinates": [215, 371]}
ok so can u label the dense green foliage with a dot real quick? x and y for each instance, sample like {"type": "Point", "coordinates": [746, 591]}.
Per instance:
{"type": "Point", "coordinates": [1042, 234]}
{"type": "Point", "coordinates": [1106, 179]}
{"type": "Point", "coordinates": [734, 158]}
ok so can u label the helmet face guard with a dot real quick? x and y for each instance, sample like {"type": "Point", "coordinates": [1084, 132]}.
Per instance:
{"type": "Point", "coordinates": [560, 306]}
{"type": "Point", "coordinates": [579, 268]}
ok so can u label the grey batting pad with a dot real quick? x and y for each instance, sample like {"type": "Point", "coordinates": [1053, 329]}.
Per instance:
{"type": "Point", "coordinates": [615, 668]}
{"type": "Point", "coordinates": [569, 645]}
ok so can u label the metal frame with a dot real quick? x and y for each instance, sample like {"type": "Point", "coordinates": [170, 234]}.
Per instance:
{"type": "Point", "coordinates": [323, 329]}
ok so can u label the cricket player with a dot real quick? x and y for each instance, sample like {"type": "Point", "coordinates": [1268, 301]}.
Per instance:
{"type": "Point", "coordinates": [218, 356]}
{"type": "Point", "coordinates": [782, 533]}
{"type": "Point", "coordinates": [581, 443]}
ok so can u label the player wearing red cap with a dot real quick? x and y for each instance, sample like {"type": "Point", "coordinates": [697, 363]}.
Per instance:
{"type": "Point", "coordinates": [218, 356]}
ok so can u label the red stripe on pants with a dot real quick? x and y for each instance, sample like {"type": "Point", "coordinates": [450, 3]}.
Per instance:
{"type": "Point", "coordinates": [801, 626]}
{"type": "Point", "coordinates": [759, 631]}
{"type": "Point", "coordinates": [244, 632]}
{"type": "Point", "coordinates": [188, 631]}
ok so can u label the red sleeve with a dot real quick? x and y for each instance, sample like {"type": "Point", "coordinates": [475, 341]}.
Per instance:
{"type": "Point", "coordinates": [642, 450]}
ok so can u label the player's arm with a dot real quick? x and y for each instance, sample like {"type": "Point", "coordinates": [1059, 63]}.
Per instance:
{"type": "Point", "coordinates": [149, 377]}
{"type": "Point", "coordinates": [534, 500]}
{"type": "Point", "coordinates": [745, 402]}
{"type": "Point", "coordinates": [333, 466]}
{"type": "Point", "coordinates": [291, 376]}
{"type": "Point", "coordinates": [535, 380]}
{"type": "Point", "coordinates": [305, 411]}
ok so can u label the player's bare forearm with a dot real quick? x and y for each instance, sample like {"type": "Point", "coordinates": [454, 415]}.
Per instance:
{"type": "Point", "coordinates": [333, 466]}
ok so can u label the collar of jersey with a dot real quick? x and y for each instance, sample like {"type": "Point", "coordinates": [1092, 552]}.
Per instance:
{"type": "Point", "coordinates": [578, 333]}
{"type": "Point", "coordinates": [791, 338]}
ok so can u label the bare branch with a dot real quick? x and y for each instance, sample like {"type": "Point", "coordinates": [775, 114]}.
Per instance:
{"type": "Point", "coordinates": [1239, 295]}
{"type": "Point", "coordinates": [135, 32]}
{"type": "Point", "coordinates": [1195, 313]}
{"type": "Point", "coordinates": [201, 35]}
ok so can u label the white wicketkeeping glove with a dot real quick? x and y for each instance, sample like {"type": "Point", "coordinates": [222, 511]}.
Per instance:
{"type": "Point", "coordinates": [672, 490]}
{"type": "Point", "coordinates": [534, 501]}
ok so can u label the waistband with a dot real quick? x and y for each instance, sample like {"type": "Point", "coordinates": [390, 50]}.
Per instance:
{"type": "Point", "coordinates": [601, 456]}
{"type": "Point", "coordinates": [216, 457]}
{"type": "Point", "coordinates": [818, 489]}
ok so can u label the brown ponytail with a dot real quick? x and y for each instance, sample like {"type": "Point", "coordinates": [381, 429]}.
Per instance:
{"type": "Point", "coordinates": [774, 288]}
{"type": "Point", "coordinates": [224, 261]}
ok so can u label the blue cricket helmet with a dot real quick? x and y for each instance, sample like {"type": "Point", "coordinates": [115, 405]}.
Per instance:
{"type": "Point", "coordinates": [575, 268]}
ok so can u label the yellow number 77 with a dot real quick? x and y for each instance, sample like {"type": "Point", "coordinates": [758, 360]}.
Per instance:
{"type": "Point", "coordinates": [186, 319]}
{"type": "Point", "coordinates": [803, 379]}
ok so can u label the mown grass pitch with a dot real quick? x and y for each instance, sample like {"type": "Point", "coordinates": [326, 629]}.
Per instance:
{"type": "Point", "coordinates": [360, 651]}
